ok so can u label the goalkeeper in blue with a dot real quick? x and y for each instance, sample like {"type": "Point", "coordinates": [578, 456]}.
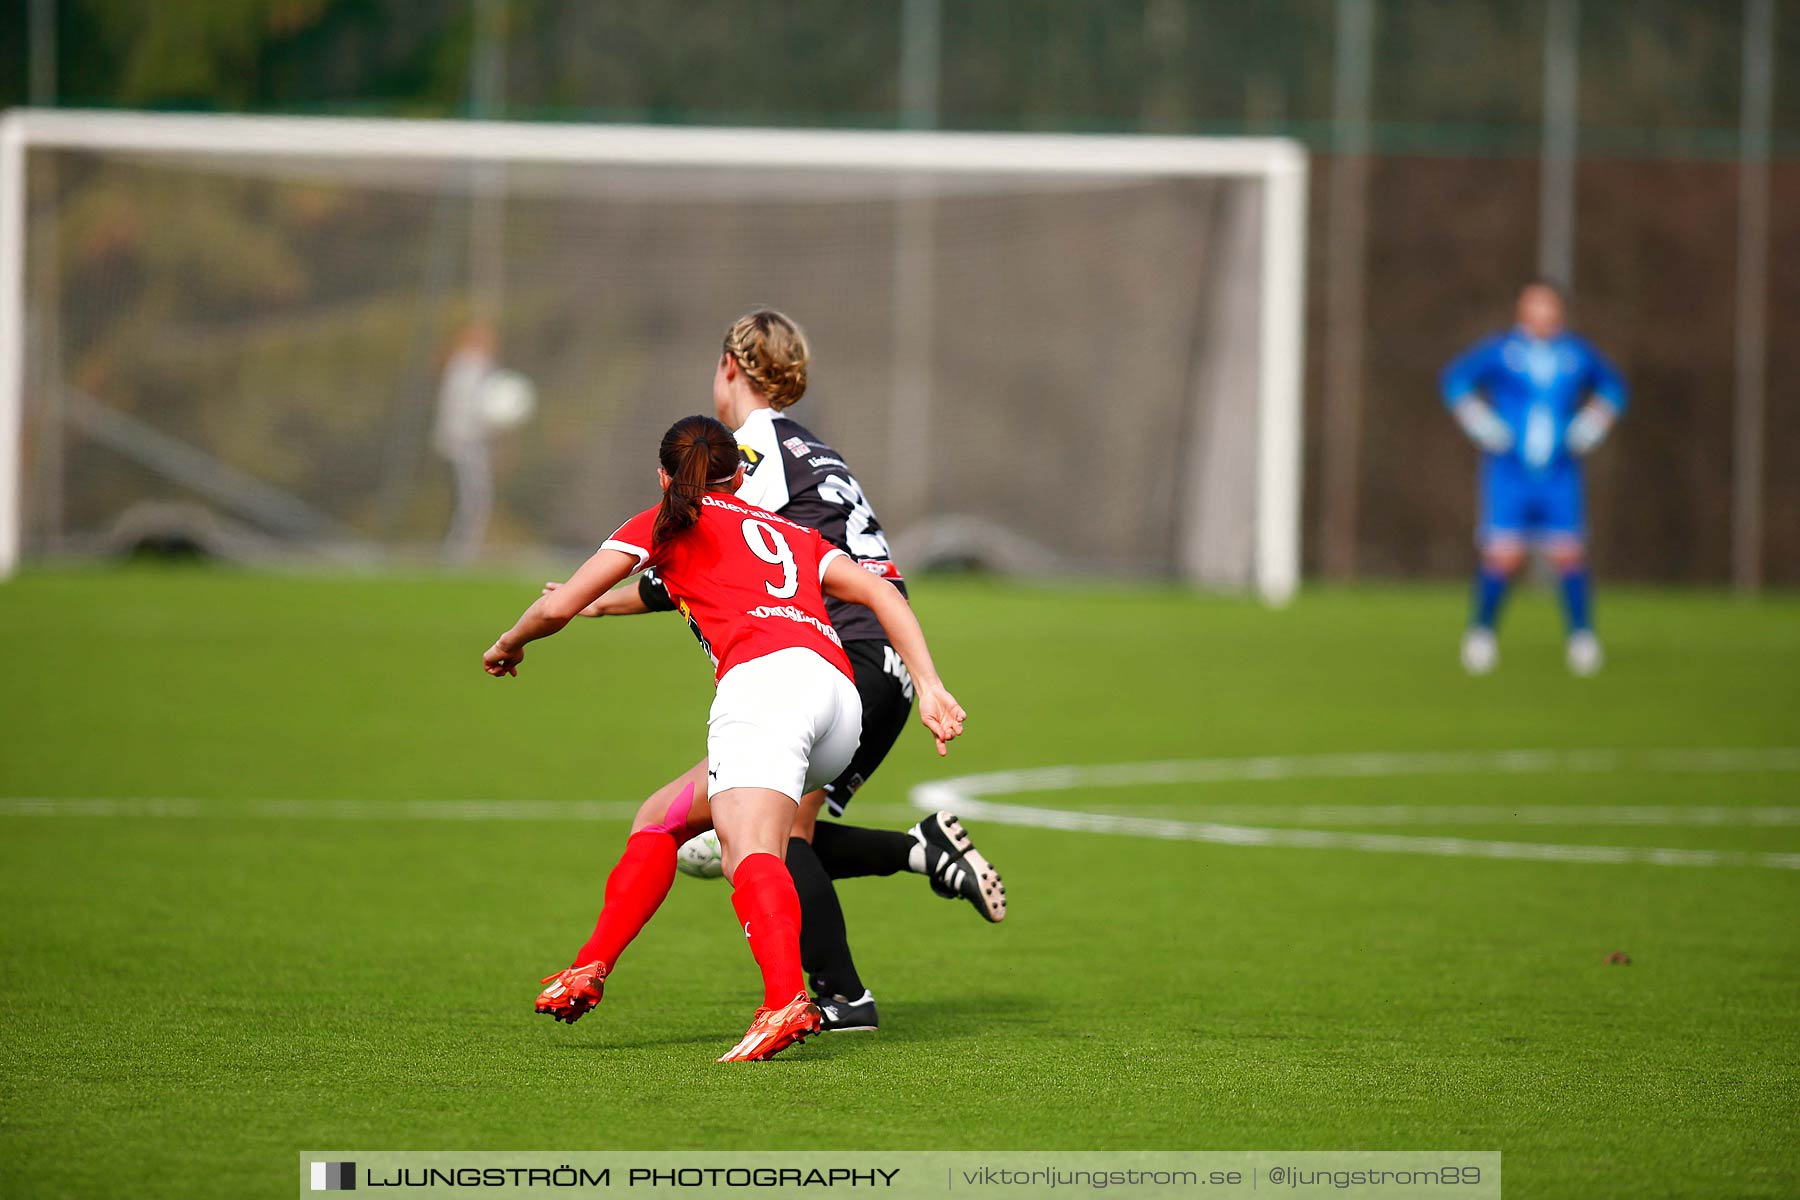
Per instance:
{"type": "Point", "coordinates": [1535, 400]}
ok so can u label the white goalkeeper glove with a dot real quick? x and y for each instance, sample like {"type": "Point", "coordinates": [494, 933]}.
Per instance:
{"type": "Point", "coordinates": [1484, 426]}
{"type": "Point", "coordinates": [1590, 426]}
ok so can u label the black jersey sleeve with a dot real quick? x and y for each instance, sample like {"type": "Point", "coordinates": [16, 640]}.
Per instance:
{"type": "Point", "coordinates": [652, 592]}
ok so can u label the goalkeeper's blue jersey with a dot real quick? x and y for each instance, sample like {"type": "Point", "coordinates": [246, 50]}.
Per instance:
{"type": "Point", "coordinates": [1536, 386]}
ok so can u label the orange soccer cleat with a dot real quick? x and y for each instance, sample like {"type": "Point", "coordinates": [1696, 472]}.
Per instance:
{"type": "Point", "coordinates": [572, 992]}
{"type": "Point", "coordinates": [773, 1030]}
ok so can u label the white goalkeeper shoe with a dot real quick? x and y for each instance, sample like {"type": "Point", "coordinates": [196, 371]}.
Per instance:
{"type": "Point", "coordinates": [1480, 651]}
{"type": "Point", "coordinates": [1583, 653]}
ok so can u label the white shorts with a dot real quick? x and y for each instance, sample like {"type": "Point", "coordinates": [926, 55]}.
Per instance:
{"type": "Point", "coordinates": [788, 721]}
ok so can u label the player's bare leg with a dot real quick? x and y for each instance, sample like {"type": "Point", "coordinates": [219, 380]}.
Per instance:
{"type": "Point", "coordinates": [806, 815]}
{"type": "Point", "coordinates": [753, 826]}
{"type": "Point", "coordinates": [635, 889]}
{"type": "Point", "coordinates": [660, 808]}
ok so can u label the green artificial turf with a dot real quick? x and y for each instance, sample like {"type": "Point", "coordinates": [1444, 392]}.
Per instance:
{"type": "Point", "coordinates": [191, 993]}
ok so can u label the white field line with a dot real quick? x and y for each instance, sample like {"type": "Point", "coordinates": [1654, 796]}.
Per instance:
{"type": "Point", "coordinates": [342, 810]}
{"type": "Point", "coordinates": [324, 810]}
{"type": "Point", "coordinates": [595, 810]}
{"type": "Point", "coordinates": [964, 795]}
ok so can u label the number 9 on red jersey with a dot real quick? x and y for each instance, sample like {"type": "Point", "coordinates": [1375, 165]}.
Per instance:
{"type": "Point", "coordinates": [747, 579]}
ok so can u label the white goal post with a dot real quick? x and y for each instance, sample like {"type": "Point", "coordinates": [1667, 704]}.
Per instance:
{"type": "Point", "coordinates": [1279, 166]}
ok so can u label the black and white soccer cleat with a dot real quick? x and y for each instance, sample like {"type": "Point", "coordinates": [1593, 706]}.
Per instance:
{"type": "Point", "coordinates": [848, 1016]}
{"type": "Point", "coordinates": [957, 869]}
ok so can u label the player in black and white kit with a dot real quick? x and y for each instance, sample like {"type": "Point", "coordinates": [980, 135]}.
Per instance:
{"type": "Point", "coordinates": [788, 470]}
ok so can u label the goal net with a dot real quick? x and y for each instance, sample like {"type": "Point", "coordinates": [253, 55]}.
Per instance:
{"type": "Point", "coordinates": [397, 343]}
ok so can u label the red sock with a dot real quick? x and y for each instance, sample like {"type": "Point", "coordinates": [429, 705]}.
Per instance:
{"type": "Point", "coordinates": [769, 910]}
{"type": "Point", "coordinates": [634, 891]}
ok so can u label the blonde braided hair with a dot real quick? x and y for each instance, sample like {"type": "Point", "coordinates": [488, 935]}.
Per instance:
{"type": "Point", "coordinates": [772, 352]}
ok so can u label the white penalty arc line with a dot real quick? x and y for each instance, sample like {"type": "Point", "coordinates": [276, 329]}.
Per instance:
{"type": "Point", "coordinates": [1587, 816]}
{"type": "Point", "coordinates": [965, 796]}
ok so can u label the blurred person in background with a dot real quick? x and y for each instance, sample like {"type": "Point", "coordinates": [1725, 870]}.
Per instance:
{"type": "Point", "coordinates": [1535, 400]}
{"type": "Point", "coordinates": [477, 398]}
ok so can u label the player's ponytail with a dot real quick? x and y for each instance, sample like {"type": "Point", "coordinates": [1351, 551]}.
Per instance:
{"type": "Point", "coordinates": [698, 453]}
{"type": "Point", "coordinates": [771, 351]}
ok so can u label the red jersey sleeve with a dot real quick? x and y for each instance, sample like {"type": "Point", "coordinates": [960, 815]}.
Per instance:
{"type": "Point", "coordinates": [633, 538]}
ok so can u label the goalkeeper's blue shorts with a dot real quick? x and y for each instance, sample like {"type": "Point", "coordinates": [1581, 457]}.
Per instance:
{"type": "Point", "coordinates": [1519, 503]}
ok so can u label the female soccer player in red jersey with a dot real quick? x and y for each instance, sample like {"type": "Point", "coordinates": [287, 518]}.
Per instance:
{"type": "Point", "coordinates": [785, 719]}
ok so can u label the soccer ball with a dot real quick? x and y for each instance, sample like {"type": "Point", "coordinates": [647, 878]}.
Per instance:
{"type": "Point", "coordinates": [507, 399]}
{"type": "Point", "coordinates": [701, 857]}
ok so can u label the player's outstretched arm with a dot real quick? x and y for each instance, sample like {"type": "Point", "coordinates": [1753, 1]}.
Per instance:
{"type": "Point", "coordinates": [556, 608]}
{"type": "Point", "coordinates": [937, 707]}
{"type": "Point", "coordinates": [620, 602]}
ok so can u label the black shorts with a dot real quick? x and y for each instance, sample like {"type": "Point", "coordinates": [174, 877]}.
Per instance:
{"type": "Point", "coordinates": [887, 698]}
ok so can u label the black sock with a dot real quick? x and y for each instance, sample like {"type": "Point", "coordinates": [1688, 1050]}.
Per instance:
{"type": "Point", "coordinates": [850, 851]}
{"type": "Point", "coordinates": [824, 945]}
